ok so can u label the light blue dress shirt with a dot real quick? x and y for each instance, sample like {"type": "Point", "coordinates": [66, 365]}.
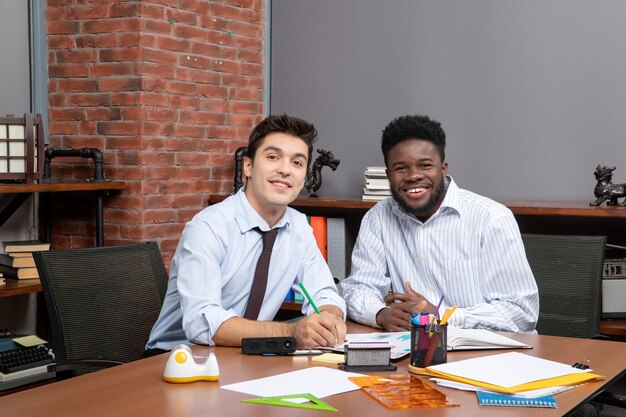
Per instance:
{"type": "Point", "coordinates": [470, 250]}
{"type": "Point", "coordinates": [213, 268]}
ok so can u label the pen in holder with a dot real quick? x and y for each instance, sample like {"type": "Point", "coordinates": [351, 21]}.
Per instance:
{"type": "Point", "coordinates": [429, 344]}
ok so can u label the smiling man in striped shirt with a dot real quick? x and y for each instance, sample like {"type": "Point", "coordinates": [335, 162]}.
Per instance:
{"type": "Point", "coordinates": [435, 239]}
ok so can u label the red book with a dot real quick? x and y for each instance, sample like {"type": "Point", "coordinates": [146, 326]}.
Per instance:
{"type": "Point", "coordinates": [318, 223]}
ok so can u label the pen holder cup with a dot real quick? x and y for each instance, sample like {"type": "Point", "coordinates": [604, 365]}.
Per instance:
{"type": "Point", "coordinates": [429, 344]}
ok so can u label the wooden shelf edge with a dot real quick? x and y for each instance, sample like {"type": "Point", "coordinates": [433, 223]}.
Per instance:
{"type": "Point", "coordinates": [13, 287]}
{"type": "Point", "coordinates": [46, 187]}
{"type": "Point", "coordinates": [518, 207]}
{"type": "Point", "coordinates": [615, 327]}
{"type": "Point", "coordinates": [563, 208]}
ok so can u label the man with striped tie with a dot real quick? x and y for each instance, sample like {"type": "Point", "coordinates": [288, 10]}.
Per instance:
{"type": "Point", "coordinates": [434, 239]}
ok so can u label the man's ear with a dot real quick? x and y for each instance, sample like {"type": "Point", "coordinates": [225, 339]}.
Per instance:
{"type": "Point", "coordinates": [247, 167]}
{"type": "Point", "coordinates": [444, 168]}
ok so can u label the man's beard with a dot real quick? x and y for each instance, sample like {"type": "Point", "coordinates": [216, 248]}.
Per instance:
{"type": "Point", "coordinates": [424, 209]}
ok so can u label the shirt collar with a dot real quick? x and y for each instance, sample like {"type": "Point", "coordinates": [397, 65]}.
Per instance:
{"type": "Point", "coordinates": [247, 217]}
{"type": "Point", "coordinates": [452, 199]}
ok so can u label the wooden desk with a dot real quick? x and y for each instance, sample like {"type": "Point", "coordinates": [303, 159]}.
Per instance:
{"type": "Point", "coordinates": [21, 192]}
{"type": "Point", "coordinates": [136, 389]}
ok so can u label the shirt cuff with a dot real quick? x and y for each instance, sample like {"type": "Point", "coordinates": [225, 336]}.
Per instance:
{"type": "Point", "coordinates": [328, 298]}
{"type": "Point", "coordinates": [371, 315]}
{"type": "Point", "coordinates": [201, 331]}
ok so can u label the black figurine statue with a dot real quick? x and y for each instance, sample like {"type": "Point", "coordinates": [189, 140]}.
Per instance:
{"type": "Point", "coordinates": [605, 189]}
{"type": "Point", "coordinates": [314, 179]}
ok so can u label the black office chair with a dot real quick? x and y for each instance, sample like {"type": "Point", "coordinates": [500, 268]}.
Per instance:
{"type": "Point", "coordinates": [568, 271]}
{"type": "Point", "coordinates": [101, 303]}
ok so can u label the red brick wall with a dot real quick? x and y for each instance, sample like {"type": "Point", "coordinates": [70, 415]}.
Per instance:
{"type": "Point", "coordinates": [168, 90]}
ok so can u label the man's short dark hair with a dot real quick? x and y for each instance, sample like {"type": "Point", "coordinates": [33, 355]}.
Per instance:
{"type": "Point", "coordinates": [290, 125]}
{"type": "Point", "coordinates": [414, 127]}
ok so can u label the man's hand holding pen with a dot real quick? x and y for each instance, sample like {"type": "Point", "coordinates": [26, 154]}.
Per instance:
{"type": "Point", "coordinates": [324, 329]}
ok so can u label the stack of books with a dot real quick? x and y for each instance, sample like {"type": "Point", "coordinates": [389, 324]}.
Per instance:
{"type": "Point", "coordinates": [18, 261]}
{"type": "Point", "coordinates": [376, 186]}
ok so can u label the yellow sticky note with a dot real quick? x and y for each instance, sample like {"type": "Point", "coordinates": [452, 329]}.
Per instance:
{"type": "Point", "coordinates": [334, 358]}
{"type": "Point", "coordinates": [28, 341]}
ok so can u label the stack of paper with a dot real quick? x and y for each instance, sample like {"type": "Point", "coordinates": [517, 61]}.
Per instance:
{"type": "Point", "coordinates": [376, 186]}
{"type": "Point", "coordinates": [510, 373]}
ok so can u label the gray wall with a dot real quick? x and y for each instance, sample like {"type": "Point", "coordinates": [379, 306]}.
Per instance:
{"type": "Point", "coordinates": [15, 98]}
{"type": "Point", "coordinates": [18, 313]}
{"type": "Point", "coordinates": [14, 64]}
{"type": "Point", "coordinates": [531, 94]}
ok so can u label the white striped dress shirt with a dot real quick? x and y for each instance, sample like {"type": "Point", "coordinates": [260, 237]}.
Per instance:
{"type": "Point", "coordinates": [470, 250]}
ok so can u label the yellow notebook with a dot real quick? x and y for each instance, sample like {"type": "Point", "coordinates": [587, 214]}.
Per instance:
{"type": "Point", "coordinates": [510, 372]}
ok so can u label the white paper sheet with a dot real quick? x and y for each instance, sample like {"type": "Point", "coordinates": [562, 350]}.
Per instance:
{"type": "Point", "coordinates": [507, 369]}
{"type": "Point", "coordinates": [318, 381]}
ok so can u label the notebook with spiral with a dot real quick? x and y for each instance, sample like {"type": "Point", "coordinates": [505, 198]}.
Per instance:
{"type": "Point", "coordinates": [504, 400]}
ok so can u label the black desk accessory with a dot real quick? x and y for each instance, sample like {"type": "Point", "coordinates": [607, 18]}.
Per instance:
{"type": "Point", "coordinates": [268, 345]}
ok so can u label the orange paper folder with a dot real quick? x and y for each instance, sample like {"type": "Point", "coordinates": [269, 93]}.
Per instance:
{"type": "Point", "coordinates": [318, 223]}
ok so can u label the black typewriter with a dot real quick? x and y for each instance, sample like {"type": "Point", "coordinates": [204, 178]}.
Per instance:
{"type": "Point", "coordinates": [23, 365]}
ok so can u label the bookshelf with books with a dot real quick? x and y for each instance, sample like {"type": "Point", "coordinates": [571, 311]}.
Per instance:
{"type": "Point", "coordinates": [18, 262]}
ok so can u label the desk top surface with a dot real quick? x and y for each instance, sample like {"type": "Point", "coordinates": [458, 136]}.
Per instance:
{"type": "Point", "coordinates": [136, 389]}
